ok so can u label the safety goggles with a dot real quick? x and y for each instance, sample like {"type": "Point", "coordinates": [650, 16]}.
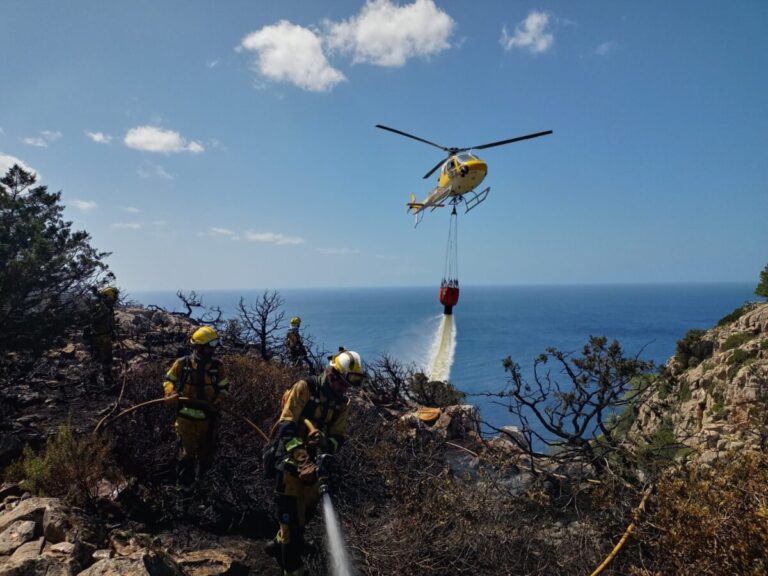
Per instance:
{"type": "Point", "coordinates": [351, 379]}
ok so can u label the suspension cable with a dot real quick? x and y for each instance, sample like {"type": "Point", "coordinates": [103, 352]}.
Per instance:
{"type": "Point", "coordinates": [451, 269]}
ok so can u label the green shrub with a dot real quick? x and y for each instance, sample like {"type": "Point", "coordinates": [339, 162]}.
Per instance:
{"type": "Point", "coordinates": [764, 344]}
{"type": "Point", "coordinates": [69, 467]}
{"type": "Point", "coordinates": [738, 358]}
{"type": "Point", "coordinates": [684, 393]}
{"type": "Point", "coordinates": [718, 411]}
{"type": "Point", "coordinates": [735, 340]}
{"type": "Point", "coordinates": [735, 315]}
{"type": "Point", "coordinates": [663, 387]}
{"type": "Point", "coordinates": [693, 348]}
{"type": "Point", "coordinates": [661, 449]}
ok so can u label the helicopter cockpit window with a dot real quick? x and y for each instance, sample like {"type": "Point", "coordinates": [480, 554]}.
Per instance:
{"type": "Point", "coordinates": [448, 166]}
{"type": "Point", "coordinates": [465, 157]}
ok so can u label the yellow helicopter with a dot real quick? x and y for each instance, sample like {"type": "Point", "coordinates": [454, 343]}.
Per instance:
{"type": "Point", "coordinates": [460, 174]}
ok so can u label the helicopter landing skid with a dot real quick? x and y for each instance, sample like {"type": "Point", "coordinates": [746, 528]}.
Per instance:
{"type": "Point", "coordinates": [475, 199]}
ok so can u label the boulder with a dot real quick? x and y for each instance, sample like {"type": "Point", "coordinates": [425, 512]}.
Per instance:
{"type": "Point", "coordinates": [28, 551]}
{"type": "Point", "coordinates": [55, 523]}
{"type": "Point", "coordinates": [29, 509]}
{"type": "Point", "coordinates": [18, 533]}
{"type": "Point", "coordinates": [224, 562]}
{"type": "Point", "coordinates": [146, 563]}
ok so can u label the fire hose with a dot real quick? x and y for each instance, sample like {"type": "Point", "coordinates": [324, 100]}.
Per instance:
{"type": "Point", "coordinates": [626, 535]}
{"type": "Point", "coordinates": [196, 403]}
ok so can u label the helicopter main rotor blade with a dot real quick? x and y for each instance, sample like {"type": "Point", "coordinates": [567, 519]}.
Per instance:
{"type": "Point", "coordinates": [412, 136]}
{"type": "Point", "coordinates": [492, 144]}
{"type": "Point", "coordinates": [428, 174]}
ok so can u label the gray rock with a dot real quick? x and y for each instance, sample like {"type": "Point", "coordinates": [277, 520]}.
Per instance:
{"type": "Point", "coordinates": [28, 551]}
{"type": "Point", "coordinates": [8, 489]}
{"type": "Point", "coordinates": [15, 535]}
{"type": "Point", "coordinates": [65, 548]}
{"type": "Point", "coordinates": [226, 562]}
{"type": "Point", "coordinates": [144, 564]}
{"type": "Point", "coordinates": [55, 523]}
{"type": "Point", "coordinates": [29, 509]}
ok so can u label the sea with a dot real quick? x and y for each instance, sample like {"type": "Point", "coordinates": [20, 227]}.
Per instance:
{"type": "Point", "coordinates": [493, 322]}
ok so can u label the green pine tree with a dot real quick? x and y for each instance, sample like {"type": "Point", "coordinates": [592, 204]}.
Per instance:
{"type": "Point", "coordinates": [47, 271]}
{"type": "Point", "coordinates": [762, 286]}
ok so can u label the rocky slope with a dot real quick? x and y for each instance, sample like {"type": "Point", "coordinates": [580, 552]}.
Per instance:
{"type": "Point", "coordinates": [713, 394]}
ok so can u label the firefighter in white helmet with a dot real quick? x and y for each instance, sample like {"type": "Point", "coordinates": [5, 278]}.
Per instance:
{"type": "Point", "coordinates": [203, 378]}
{"type": "Point", "coordinates": [312, 422]}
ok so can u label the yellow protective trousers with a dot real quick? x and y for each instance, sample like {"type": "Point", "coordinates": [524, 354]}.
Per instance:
{"type": "Point", "coordinates": [197, 438]}
{"type": "Point", "coordinates": [296, 504]}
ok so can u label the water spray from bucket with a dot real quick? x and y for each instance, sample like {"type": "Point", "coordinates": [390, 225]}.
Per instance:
{"type": "Point", "coordinates": [443, 347]}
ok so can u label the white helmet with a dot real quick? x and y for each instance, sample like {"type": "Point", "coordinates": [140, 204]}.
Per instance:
{"type": "Point", "coordinates": [349, 365]}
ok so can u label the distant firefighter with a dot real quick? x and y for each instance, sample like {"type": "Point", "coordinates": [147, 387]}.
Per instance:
{"type": "Point", "coordinates": [294, 346]}
{"type": "Point", "coordinates": [100, 333]}
{"type": "Point", "coordinates": [203, 379]}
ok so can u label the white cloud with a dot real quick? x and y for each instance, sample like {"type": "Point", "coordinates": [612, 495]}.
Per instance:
{"type": "Point", "coordinates": [99, 137]}
{"type": "Point", "coordinates": [46, 137]}
{"type": "Point", "coordinates": [606, 48]}
{"type": "Point", "coordinates": [213, 63]}
{"type": "Point", "coordinates": [224, 232]}
{"type": "Point", "coordinates": [531, 34]}
{"type": "Point", "coordinates": [154, 139]}
{"type": "Point", "coordinates": [272, 238]}
{"type": "Point", "coordinates": [83, 205]}
{"type": "Point", "coordinates": [386, 34]}
{"type": "Point", "coordinates": [338, 251]}
{"type": "Point", "coordinates": [130, 209]}
{"type": "Point", "coordinates": [286, 52]}
{"type": "Point", "coordinates": [127, 225]}
{"type": "Point", "coordinates": [150, 170]}
{"type": "Point", "coordinates": [7, 161]}
{"type": "Point", "coordinates": [2, 132]}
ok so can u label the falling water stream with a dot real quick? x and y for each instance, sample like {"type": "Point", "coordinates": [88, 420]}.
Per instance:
{"type": "Point", "coordinates": [443, 347]}
{"type": "Point", "coordinates": [340, 563]}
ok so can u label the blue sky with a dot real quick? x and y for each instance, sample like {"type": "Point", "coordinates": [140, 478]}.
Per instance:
{"type": "Point", "coordinates": [231, 145]}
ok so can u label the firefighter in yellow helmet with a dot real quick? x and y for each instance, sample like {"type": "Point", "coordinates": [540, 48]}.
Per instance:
{"type": "Point", "coordinates": [100, 332]}
{"type": "Point", "coordinates": [312, 423]}
{"type": "Point", "coordinates": [203, 379]}
{"type": "Point", "coordinates": [294, 345]}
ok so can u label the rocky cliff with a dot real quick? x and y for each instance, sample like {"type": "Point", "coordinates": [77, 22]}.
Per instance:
{"type": "Point", "coordinates": [713, 394]}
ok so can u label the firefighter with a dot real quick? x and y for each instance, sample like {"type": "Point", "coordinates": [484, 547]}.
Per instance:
{"type": "Point", "coordinates": [199, 377]}
{"type": "Point", "coordinates": [294, 345]}
{"type": "Point", "coordinates": [101, 331]}
{"type": "Point", "coordinates": [312, 423]}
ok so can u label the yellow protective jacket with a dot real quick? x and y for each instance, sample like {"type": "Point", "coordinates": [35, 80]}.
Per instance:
{"type": "Point", "coordinates": [187, 377]}
{"type": "Point", "coordinates": [314, 400]}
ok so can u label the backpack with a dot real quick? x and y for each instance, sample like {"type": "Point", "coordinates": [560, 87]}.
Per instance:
{"type": "Point", "coordinates": [274, 448]}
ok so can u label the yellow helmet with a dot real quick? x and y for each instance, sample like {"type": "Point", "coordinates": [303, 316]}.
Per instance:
{"type": "Point", "coordinates": [349, 365]}
{"type": "Point", "coordinates": [110, 293]}
{"type": "Point", "coordinates": [205, 335]}
{"type": "Point", "coordinates": [295, 322]}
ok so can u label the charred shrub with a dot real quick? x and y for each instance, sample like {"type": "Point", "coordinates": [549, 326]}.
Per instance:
{"type": "Point", "coordinates": [710, 520]}
{"type": "Point", "coordinates": [433, 392]}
